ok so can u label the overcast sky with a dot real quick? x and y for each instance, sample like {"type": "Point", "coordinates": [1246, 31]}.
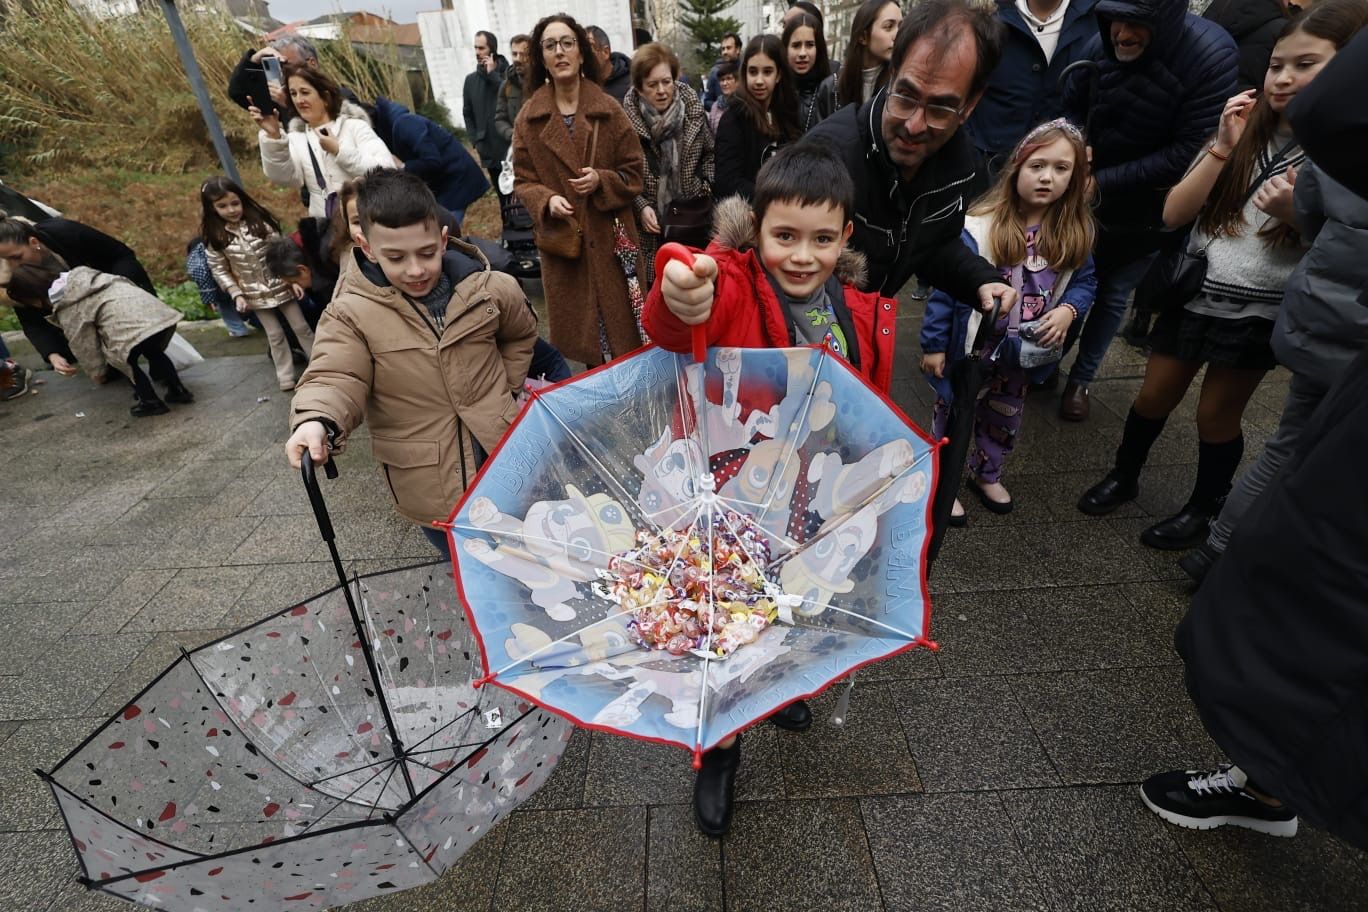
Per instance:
{"type": "Point", "coordinates": [398, 10]}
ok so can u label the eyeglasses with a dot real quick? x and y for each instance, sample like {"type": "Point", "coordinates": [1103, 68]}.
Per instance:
{"type": "Point", "coordinates": [938, 117]}
{"type": "Point", "coordinates": [566, 44]}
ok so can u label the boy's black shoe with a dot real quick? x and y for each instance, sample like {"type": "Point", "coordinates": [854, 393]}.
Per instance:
{"type": "Point", "coordinates": [1108, 494]}
{"type": "Point", "coordinates": [177, 394]}
{"type": "Point", "coordinates": [1186, 529]}
{"type": "Point", "coordinates": [713, 787]}
{"type": "Point", "coordinates": [142, 408]}
{"type": "Point", "coordinates": [1204, 800]}
{"type": "Point", "coordinates": [796, 717]}
{"type": "Point", "coordinates": [1197, 562]}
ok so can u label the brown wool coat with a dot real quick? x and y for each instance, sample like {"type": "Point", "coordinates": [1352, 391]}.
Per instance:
{"type": "Point", "coordinates": [376, 358]}
{"type": "Point", "coordinates": [545, 158]}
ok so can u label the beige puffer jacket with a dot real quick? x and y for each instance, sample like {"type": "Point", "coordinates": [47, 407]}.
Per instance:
{"type": "Point", "coordinates": [240, 269]}
{"type": "Point", "coordinates": [378, 357]}
{"type": "Point", "coordinates": [103, 316]}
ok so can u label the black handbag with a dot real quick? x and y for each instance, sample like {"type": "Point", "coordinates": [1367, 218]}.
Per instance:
{"type": "Point", "coordinates": [1176, 277]}
{"type": "Point", "coordinates": [687, 222]}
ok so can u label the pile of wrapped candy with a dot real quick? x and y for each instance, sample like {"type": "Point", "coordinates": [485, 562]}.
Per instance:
{"type": "Point", "coordinates": [701, 590]}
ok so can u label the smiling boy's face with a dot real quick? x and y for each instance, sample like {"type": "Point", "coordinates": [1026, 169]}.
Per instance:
{"type": "Point", "coordinates": [410, 257]}
{"type": "Point", "coordinates": [799, 244]}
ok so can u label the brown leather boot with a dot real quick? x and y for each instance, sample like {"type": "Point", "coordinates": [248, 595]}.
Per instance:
{"type": "Point", "coordinates": [1074, 406]}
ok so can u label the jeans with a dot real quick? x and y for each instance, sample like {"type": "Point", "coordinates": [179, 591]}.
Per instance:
{"type": "Point", "coordinates": [236, 325]}
{"type": "Point", "coordinates": [548, 363]}
{"type": "Point", "coordinates": [1303, 396]}
{"type": "Point", "coordinates": [1104, 318]}
{"type": "Point", "coordinates": [4, 349]}
{"type": "Point", "coordinates": [440, 539]}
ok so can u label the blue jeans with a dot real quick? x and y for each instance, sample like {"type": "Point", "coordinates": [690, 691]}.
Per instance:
{"type": "Point", "coordinates": [439, 540]}
{"type": "Point", "coordinates": [4, 349]}
{"type": "Point", "coordinates": [1104, 319]}
{"type": "Point", "coordinates": [548, 362]}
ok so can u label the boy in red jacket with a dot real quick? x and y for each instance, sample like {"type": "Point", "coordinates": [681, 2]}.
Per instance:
{"type": "Point", "coordinates": [776, 274]}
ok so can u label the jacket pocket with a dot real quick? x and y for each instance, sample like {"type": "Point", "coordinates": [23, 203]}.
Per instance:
{"type": "Point", "coordinates": [412, 470]}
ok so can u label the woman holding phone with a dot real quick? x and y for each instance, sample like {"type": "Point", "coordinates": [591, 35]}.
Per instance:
{"type": "Point", "coordinates": [327, 143]}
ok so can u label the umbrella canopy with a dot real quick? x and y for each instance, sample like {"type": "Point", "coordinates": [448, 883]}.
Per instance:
{"type": "Point", "coordinates": [673, 553]}
{"type": "Point", "coordinates": [333, 752]}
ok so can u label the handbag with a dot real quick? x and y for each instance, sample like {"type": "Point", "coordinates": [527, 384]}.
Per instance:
{"type": "Point", "coordinates": [506, 174]}
{"type": "Point", "coordinates": [565, 237]}
{"type": "Point", "coordinates": [1019, 348]}
{"type": "Point", "coordinates": [687, 222]}
{"type": "Point", "coordinates": [1177, 276]}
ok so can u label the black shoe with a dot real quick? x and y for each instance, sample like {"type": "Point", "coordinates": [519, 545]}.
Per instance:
{"type": "Point", "coordinates": [1197, 562]}
{"type": "Point", "coordinates": [1186, 530]}
{"type": "Point", "coordinates": [1108, 494]}
{"type": "Point", "coordinates": [300, 359]}
{"type": "Point", "coordinates": [177, 394]}
{"type": "Point", "coordinates": [142, 408]}
{"type": "Point", "coordinates": [1202, 800]}
{"type": "Point", "coordinates": [796, 717]}
{"type": "Point", "coordinates": [713, 788]}
{"type": "Point", "coordinates": [1000, 507]}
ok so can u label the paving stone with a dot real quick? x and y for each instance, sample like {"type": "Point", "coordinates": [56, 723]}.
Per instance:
{"type": "Point", "coordinates": [584, 860]}
{"type": "Point", "coordinates": [970, 733]}
{"type": "Point", "coordinates": [796, 856]}
{"type": "Point", "coordinates": [1119, 725]}
{"type": "Point", "coordinates": [66, 685]}
{"type": "Point", "coordinates": [201, 478]}
{"type": "Point", "coordinates": [565, 788]}
{"type": "Point", "coordinates": [913, 665]}
{"type": "Point", "coordinates": [1251, 872]}
{"type": "Point", "coordinates": [1032, 630]}
{"type": "Point", "coordinates": [111, 613]}
{"type": "Point", "coordinates": [26, 802]}
{"type": "Point", "coordinates": [38, 865]}
{"type": "Point", "coordinates": [627, 771]}
{"type": "Point", "coordinates": [86, 575]}
{"type": "Point", "coordinates": [1017, 559]}
{"type": "Point", "coordinates": [956, 853]}
{"type": "Point", "coordinates": [1075, 554]}
{"type": "Point", "coordinates": [21, 625]}
{"type": "Point", "coordinates": [1101, 850]}
{"type": "Point", "coordinates": [278, 540]}
{"type": "Point", "coordinates": [683, 867]}
{"type": "Point", "coordinates": [867, 755]}
{"type": "Point", "coordinates": [194, 598]}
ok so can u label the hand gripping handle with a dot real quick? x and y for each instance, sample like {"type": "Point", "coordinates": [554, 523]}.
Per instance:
{"type": "Point", "coordinates": [320, 509]}
{"type": "Point", "coordinates": [674, 251]}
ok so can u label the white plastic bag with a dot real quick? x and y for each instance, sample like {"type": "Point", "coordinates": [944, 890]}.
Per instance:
{"type": "Point", "coordinates": [506, 174]}
{"type": "Point", "coordinates": [182, 353]}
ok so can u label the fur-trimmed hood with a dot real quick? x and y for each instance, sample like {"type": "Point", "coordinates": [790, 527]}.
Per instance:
{"type": "Point", "coordinates": [349, 109]}
{"type": "Point", "coordinates": [734, 228]}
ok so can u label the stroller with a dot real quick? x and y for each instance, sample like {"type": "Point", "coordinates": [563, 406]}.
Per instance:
{"type": "Point", "coordinates": [517, 238]}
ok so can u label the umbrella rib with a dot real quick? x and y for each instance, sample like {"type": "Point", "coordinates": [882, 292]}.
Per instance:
{"type": "Point", "coordinates": [347, 800]}
{"type": "Point", "coordinates": [863, 617]}
{"type": "Point", "coordinates": [260, 753]}
{"type": "Point", "coordinates": [792, 444]}
{"type": "Point", "coordinates": [472, 709]}
{"type": "Point", "coordinates": [707, 657]}
{"type": "Point", "coordinates": [523, 536]}
{"type": "Point", "coordinates": [834, 524]}
{"type": "Point", "coordinates": [609, 477]}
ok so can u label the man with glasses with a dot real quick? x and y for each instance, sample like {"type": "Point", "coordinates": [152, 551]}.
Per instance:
{"type": "Point", "coordinates": [914, 171]}
{"type": "Point", "coordinates": [480, 101]}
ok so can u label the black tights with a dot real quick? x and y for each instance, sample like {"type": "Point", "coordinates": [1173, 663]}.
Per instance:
{"type": "Point", "coordinates": [159, 364]}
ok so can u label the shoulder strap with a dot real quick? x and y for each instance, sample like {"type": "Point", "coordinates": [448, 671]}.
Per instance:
{"type": "Point", "coordinates": [593, 142]}
{"type": "Point", "coordinates": [318, 172]}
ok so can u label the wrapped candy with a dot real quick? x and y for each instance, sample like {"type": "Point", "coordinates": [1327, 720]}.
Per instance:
{"type": "Point", "coordinates": [701, 592]}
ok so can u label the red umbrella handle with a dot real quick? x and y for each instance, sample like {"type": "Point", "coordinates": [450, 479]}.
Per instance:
{"type": "Point", "coordinates": [675, 251]}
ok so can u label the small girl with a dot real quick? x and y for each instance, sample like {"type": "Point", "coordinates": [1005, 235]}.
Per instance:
{"type": "Point", "coordinates": [109, 322]}
{"type": "Point", "coordinates": [236, 230]}
{"type": "Point", "coordinates": [1035, 224]}
{"type": "Point", "coordinates": [805, 45]}
{"type": "Point", "coordinates": [1239, 190]}
{"type": "Point", "coordinates": [761, 116]}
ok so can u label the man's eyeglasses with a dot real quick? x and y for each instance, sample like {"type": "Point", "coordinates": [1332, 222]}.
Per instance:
{"type": "Point", "coordinates": [938, 117]}
{"type": "Point", "coordinates": [567, 44]}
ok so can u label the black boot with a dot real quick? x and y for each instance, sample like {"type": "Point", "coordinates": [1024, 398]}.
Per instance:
{"type": "Point", "coordinates": [1197, 562]}
{"type": "Point", "coordinates": [1122, 483]}
{"type": "Point", "coordinates": [796, 717]}
{"type": "Point", "coordinates": [1216, 466]}
{"type": "Point", "coordinates": [177, 393]}
{"type": "Point", "coordinates": [713, 789]}
{"type": "Point", "coordinates": [143, 406]}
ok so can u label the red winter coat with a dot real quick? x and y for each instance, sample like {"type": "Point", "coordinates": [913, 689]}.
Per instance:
{"type": "Point", "coordinates": [747, 313]}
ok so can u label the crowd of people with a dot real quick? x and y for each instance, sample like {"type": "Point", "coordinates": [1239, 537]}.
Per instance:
{"type": "Point", "coordinates": [1035, 166]}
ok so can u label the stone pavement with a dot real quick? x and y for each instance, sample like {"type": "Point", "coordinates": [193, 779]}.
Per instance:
{"type": "Point", "coordinates": [999, 774]}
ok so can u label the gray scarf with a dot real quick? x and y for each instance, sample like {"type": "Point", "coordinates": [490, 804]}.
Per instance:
{"type": "Point", "coordinates": [665, 129]}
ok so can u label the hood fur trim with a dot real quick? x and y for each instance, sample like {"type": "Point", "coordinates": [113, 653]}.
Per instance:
{"type": "Point", "coordinates": [734, 229]}
{"type": "Point", "coordinates": [349, 109]}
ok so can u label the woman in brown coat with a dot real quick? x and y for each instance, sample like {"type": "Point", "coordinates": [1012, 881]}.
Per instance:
{"type": "Point", "coordinates": [586, 296]}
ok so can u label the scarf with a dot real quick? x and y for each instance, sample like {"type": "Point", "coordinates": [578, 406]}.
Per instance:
{"type": "Point", "coordinates": [665, 129]}
{"type": "Point", "coordinates": [436, 301]}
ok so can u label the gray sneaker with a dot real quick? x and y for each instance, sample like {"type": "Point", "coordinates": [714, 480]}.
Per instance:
{"type": "Point", "coordinates": [18, 380]}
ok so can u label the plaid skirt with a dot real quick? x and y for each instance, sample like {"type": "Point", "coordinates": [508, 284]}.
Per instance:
{"type": "Point", "coordinates": [1241, 344]}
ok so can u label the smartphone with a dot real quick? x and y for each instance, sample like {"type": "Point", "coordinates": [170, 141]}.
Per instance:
{"type": "Point", "coordinates": [275, 76]}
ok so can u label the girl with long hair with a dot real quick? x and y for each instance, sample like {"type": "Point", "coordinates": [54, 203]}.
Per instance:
{"type": "Point", "coordinates": [1239, 192]}
{"type": "Point", "coordinates": [761, 117]}
{"type": "Point", "coordinates": [1035, 224]}
{"type": "Point", "coordinates": [236, 230]}
{"type": "Point", "coordinates": [865, 68]}
{"type": "Point", "coordinates": [805, 48]}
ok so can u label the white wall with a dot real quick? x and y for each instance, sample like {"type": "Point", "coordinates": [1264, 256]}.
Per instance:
{"type": "Point", "coordinates": [447, 48]}
{"type": "Point", "coordinates": [506, 19]}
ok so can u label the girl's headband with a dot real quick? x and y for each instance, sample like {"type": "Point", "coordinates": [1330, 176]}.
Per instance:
{"type": "Point", "coordinates": [1032, 139]}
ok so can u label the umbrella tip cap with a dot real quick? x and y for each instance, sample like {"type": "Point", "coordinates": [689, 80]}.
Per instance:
{"type": "Point", "coordinates": [481, 682]}
{"type": "Point", "coordinates": [697, 763]}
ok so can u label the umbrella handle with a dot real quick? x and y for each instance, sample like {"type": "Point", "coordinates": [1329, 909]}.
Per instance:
{"type": "Point", "coordinates": [985, 330]}
{"type": "Point", "coordinates": [320, 509]}
{"type": "Point", "coordinates": [676, 251]}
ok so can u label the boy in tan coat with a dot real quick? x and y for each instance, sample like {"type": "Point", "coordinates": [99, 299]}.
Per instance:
{"type": "Point", "coordinates": [425, 342]}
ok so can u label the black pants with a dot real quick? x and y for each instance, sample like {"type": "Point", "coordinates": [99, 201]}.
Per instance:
{"type": "Point", "coordinates": [153, 348]}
